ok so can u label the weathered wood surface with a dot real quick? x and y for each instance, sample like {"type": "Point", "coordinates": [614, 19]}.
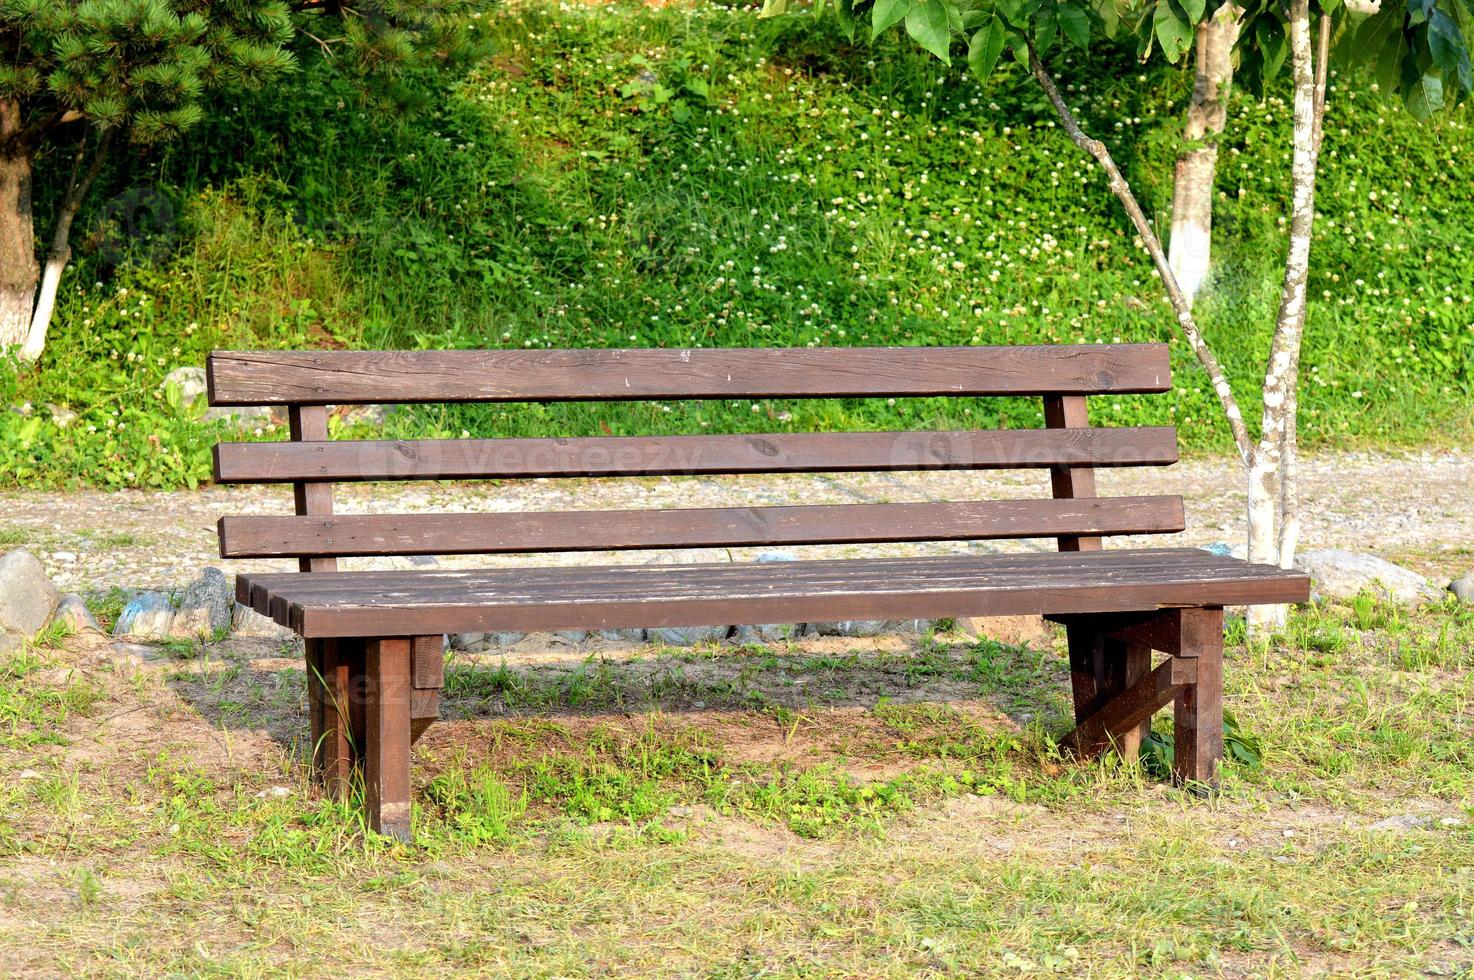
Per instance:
{"type": "Point", "coordinates": [617, 597]}
{"type": "Point", "coordinates": [310, 422]}
{"type": "Point", "coordinates": [621, 530]}
{"type": "Point", "coordinates": [357, 377]}
{"type": "Point", "coordinates": [387, 720]}
{"type": "Point", "coordinates": [1070, 481]}
{"type": "Point", "coordinates": [804, 452]}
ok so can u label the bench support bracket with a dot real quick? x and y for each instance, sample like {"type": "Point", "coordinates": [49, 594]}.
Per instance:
{"type": "Point", "coordinates": [1116, 691]}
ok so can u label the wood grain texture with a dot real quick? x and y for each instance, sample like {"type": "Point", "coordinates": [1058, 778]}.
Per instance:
{"type": "Point", "coordinates": [1120, 718]}
{"type": "Point", "coordinates": [357, 377]}
{"type": "Point", "coordinates": [818, 452]}
{"type": "Point", "coordinates": [315, 499]}
{"type": "Point", "coordinates": [620, 597]}
{"type": "Point", "coordinates": [625, 530]}
{"type": "Point", "coordinates": [1070, 481]}
{"type": "Point", "coordinates": [1197, 724]}
{"type": "Point", "coordinates": [386, 754]}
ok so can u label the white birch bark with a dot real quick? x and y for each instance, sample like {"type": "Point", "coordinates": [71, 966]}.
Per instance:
{"type": "Point", "coordinates": [1190, 244]}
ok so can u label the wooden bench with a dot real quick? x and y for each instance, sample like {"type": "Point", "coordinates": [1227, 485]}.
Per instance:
{"type": "Point", "coordinates": [374, 640]}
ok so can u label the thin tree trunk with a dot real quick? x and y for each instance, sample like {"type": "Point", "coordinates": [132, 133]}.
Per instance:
{"type": "Point", "coordinates": [18, 270]}
{"type": "Point", "coordinates": [1191, 241]}
{"type": "Point", "coordinates": [61, 248]}
{"type": "Point", "coordinates": [1282, 373]}
{"type": "Point", "coordinates": [1148, 236]}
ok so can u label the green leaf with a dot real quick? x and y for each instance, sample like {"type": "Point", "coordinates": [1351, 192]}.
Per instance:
{"type": "Point", "coordinates": [1446, 43]}
{"type": "Point", "coordinates": [1274, 45]}
{"type": "Point", "coordinates": [1194, 9]}
{"type": "Point", "coordinates": [1075, 22]}
{"type": "Point", "coordinates": [845, 10]}
{"type": "Point", "coordinates": [1425, 96]}
{"type": "Point", "coordinates": [1016, 12]}
{"type": "Point", "coordinates": [1418, 11]}
{"type": "Point", "coordinates": [1174, 34]}
{"type": "Point", "coordinates": [927, 24]}
{"type": "Point", "coordinates": [986, 46]}
{"type": "Point", "coordinates": [1373, 34]}
{"type": "Point", "coordinates": [773, 8]}
{"type": "Point", "coordinates": [1045, 28]}
{"type": "Point", "coordinates": [886, 14]}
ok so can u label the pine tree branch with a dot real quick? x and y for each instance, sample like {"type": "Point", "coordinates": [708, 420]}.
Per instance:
{"type": "Point", "coordinates": [1180, 305]}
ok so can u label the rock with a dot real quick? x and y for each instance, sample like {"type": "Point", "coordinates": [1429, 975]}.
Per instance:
{"type": "Point", "coordinates": [61, 415]}
{"type": "Point", "coordinates": [192, 386]}
{"type": "Point", "coordinates": [146, 617]}
{"type": "Point", "coordinates": [1463, 587]}
{"type": "Point", "coordinates": [571, 637]}
{"type": "Point", "coordinates": [73, 611]}
{"type": "Point", "coordinates": [1011, 630]}
{"type": "Point", "coordinates": [623, 636]}
{"type": "Point", "coordinates": [374, 415]}
{"type": "Point", "coordinates": [27, 597]}
{"type": "Point", "coordinates": [1339, 574]}
{"type": "Point", "coordinates": [769, 633]}
{"type": "Point", "coordinates": [205, 609]}
{"type": "Point", "coordinates": [1403, 821]}
{"type": "Point", "coordinates": [64, 557]}
{"type": "Point", "coordinates": [10, 642]}
{"type": "Point", "coordinates": [851, 627]}
{"type": "Point", "coordinates": [481, 642]}
{"type": "Point", "coordinates": [768, 556]}
{"type": "Point", "coordinates": [687, 636]}
{"type": "Point", "coordinates": [399, 563]}
{"type": "Point", "coordinates": [190, 381]}
{"type": "Point", "coordinates": [245, 621]}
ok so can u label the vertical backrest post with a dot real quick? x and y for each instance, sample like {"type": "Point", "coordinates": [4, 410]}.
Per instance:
{"type": "Point", "coordinates": [1070, 482]}
{"type": "Point", "coordinates": [309, 423]}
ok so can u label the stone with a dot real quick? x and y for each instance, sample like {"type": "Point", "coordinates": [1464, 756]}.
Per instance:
{"type": "Point", "coordinates": [623, 636]}
{"type": "Point", "coordinates": [372, 415]}
{"type": "Point", "coordinates": [245, 621]}
{"type": "Point", "coordinates": [205, 609]}
{"type": "Point", "coordinates": [1463, 587]}
{"type": "Point", "coordinates": [851, 628]}
{"type": "Point", "coordinates": [192, 386]}
{"type": "Point", "coordinates": [1403, 821]}
{"type": "Point", "coordinates": [27, 597]}
{"type": "Point", "coordinates": [1019, 631]}
{"type": "Point", "coordinates": [468, 641]}
{"type": "Point", "coordinates": [398, 563]}
{"type": "Point", "coordinates": [73, 611]}
{"type": "Point", "coordinates": [1338, 574]}
{"type": "Point", "coordinates": [10, 642]}
{"type": "Point", "coordinates": [768, 632]}
{"type": "Point", "coordinates": [146, 617]}
{"type": "Point", "coordinates": [61, 415]}
{"type": "Point", "coordinates": [687, 636]}
{"type": "Point", "coordinates": [571, 637]}
{"type": "Point", "coordinates": [481, 642]}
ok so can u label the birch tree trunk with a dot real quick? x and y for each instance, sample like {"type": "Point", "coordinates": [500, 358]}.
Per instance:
{"type": "Point", "coordinates": [61, 244]}
{"type": "Point", "coordinates": [1267, 491]}
{"type": "Point", "coordinates": [17, 238]}
{"type": "Point", "coordinates": [1191, 241]}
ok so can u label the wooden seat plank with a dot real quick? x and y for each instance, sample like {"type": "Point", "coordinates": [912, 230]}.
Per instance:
{"type": "Point", "coordinates": [357, 377]}
{"type": "Point", "coordinates": [511, 533]}
{"type": "Point", "coordinates": [802, 452]}
{"type": "Point", "coordinates": [616, 597]}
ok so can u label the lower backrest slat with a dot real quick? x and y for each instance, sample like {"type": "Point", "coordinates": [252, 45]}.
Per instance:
{"type": "Point", "coordinates": [456, 534]}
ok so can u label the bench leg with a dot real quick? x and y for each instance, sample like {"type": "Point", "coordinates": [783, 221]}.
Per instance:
{"type": "Point", "coordinates": [330, 668]}
{"type": "Point", "coordinates": [387, 736]}
{"type": "Point", "coordinates": [1198, 711]}
{"type": "Point", "coordinates": [1101, 669]}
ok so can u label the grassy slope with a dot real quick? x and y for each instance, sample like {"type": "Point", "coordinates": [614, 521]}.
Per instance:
{"type": "Point", "coordinates": [626, 176]}
{"type": "Point", "coordinates": [746, 812]}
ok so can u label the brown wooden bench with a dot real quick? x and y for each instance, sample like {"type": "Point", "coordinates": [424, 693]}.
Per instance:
{"type": "Point", "coordinates": [374, 640]}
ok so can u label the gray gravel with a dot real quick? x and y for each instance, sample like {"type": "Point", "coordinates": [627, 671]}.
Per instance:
{"type": "Point", "coordinates": [1385, 504]}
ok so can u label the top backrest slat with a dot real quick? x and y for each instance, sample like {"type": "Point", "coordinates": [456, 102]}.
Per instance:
{"type": "Point", "coordinates": [361, 377]}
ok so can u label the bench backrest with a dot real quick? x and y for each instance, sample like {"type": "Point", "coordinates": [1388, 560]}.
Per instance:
{"type": "Point", "coordinates": [306, 382]}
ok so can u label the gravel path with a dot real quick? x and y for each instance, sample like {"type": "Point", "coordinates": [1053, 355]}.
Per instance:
{"type": "Point", "coordinates": [1416, 508]}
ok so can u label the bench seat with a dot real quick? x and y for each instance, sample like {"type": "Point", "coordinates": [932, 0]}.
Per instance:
{"type": "Point", "coordinates": [350, 604]}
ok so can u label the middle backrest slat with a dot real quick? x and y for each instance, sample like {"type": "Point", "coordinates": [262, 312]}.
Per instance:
{"type": "Point", "coordinates": [820, 452]}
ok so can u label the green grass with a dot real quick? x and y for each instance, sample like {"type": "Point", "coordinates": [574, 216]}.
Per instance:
{"type": "Point", "coordinates": [771, 185]}
{"type": "Point", "coordinates": [875, 820]}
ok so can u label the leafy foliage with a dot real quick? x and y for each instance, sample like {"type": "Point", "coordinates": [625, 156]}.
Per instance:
{"type": "Point", "coordinates": [1418, 49]}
